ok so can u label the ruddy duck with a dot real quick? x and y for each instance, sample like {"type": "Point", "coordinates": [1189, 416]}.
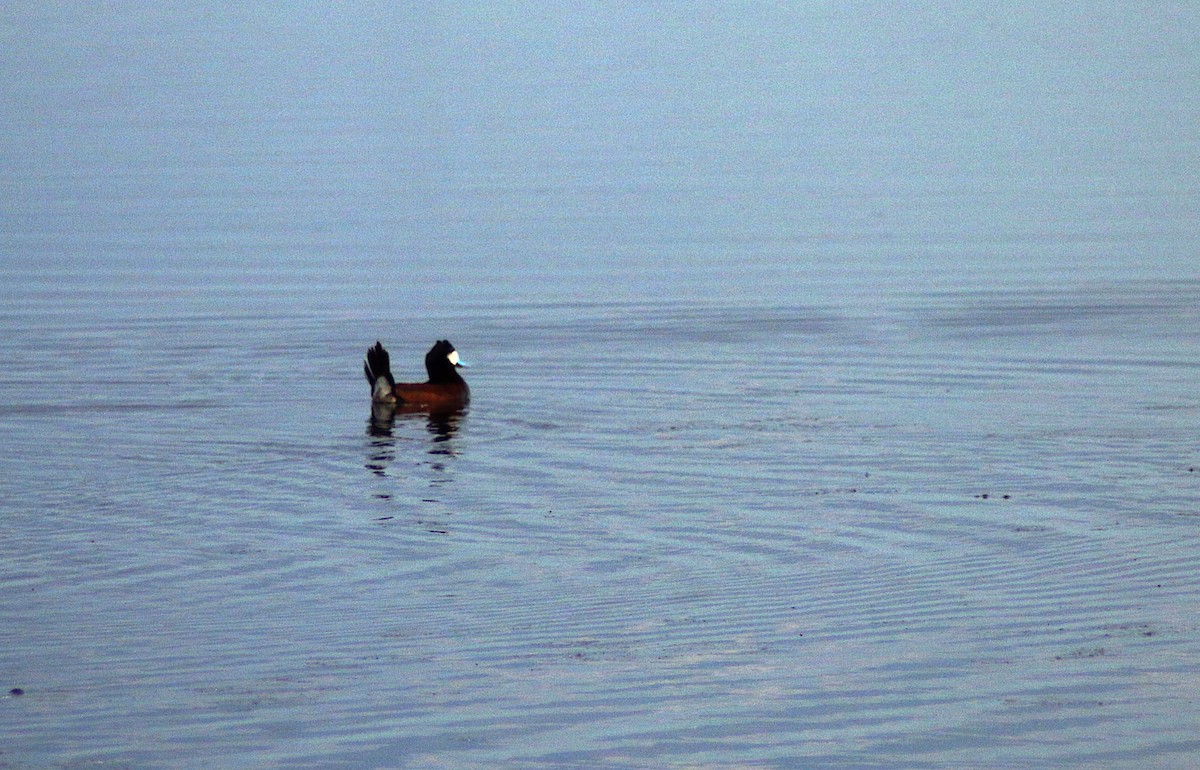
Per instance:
{"type": "Point", "coordinates": [445, 389]}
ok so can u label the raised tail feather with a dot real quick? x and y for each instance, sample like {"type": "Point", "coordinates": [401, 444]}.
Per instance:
{"type": "Point", "coordinates": [378, 364]}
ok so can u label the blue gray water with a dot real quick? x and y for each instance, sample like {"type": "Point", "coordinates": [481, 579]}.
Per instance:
{"type": "Point", "coordinates": [834, 380]}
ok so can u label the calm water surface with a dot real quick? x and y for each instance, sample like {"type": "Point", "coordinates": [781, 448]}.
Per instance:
{"type": "Point", "coordinates": [797, 439]}
{"type": "Point", "coordinates": [673, 533]}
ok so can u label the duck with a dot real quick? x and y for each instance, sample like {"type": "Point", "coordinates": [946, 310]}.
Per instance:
{"type": "Point", "coordinates": [446, 389]}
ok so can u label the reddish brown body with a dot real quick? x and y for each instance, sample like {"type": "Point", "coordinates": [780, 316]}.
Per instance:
{"type": "Point", "coordinates": [439, 395]}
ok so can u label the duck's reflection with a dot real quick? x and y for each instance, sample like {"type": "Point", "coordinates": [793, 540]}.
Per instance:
{"type": "Point", "coordinates": [441, 424]}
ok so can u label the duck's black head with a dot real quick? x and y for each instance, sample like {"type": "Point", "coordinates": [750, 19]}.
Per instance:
{"type": "Point", "coordinates": [441, 362]}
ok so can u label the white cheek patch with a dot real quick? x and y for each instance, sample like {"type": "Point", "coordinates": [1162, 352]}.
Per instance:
{"type": "Point", "coordinates": [453, 358]}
